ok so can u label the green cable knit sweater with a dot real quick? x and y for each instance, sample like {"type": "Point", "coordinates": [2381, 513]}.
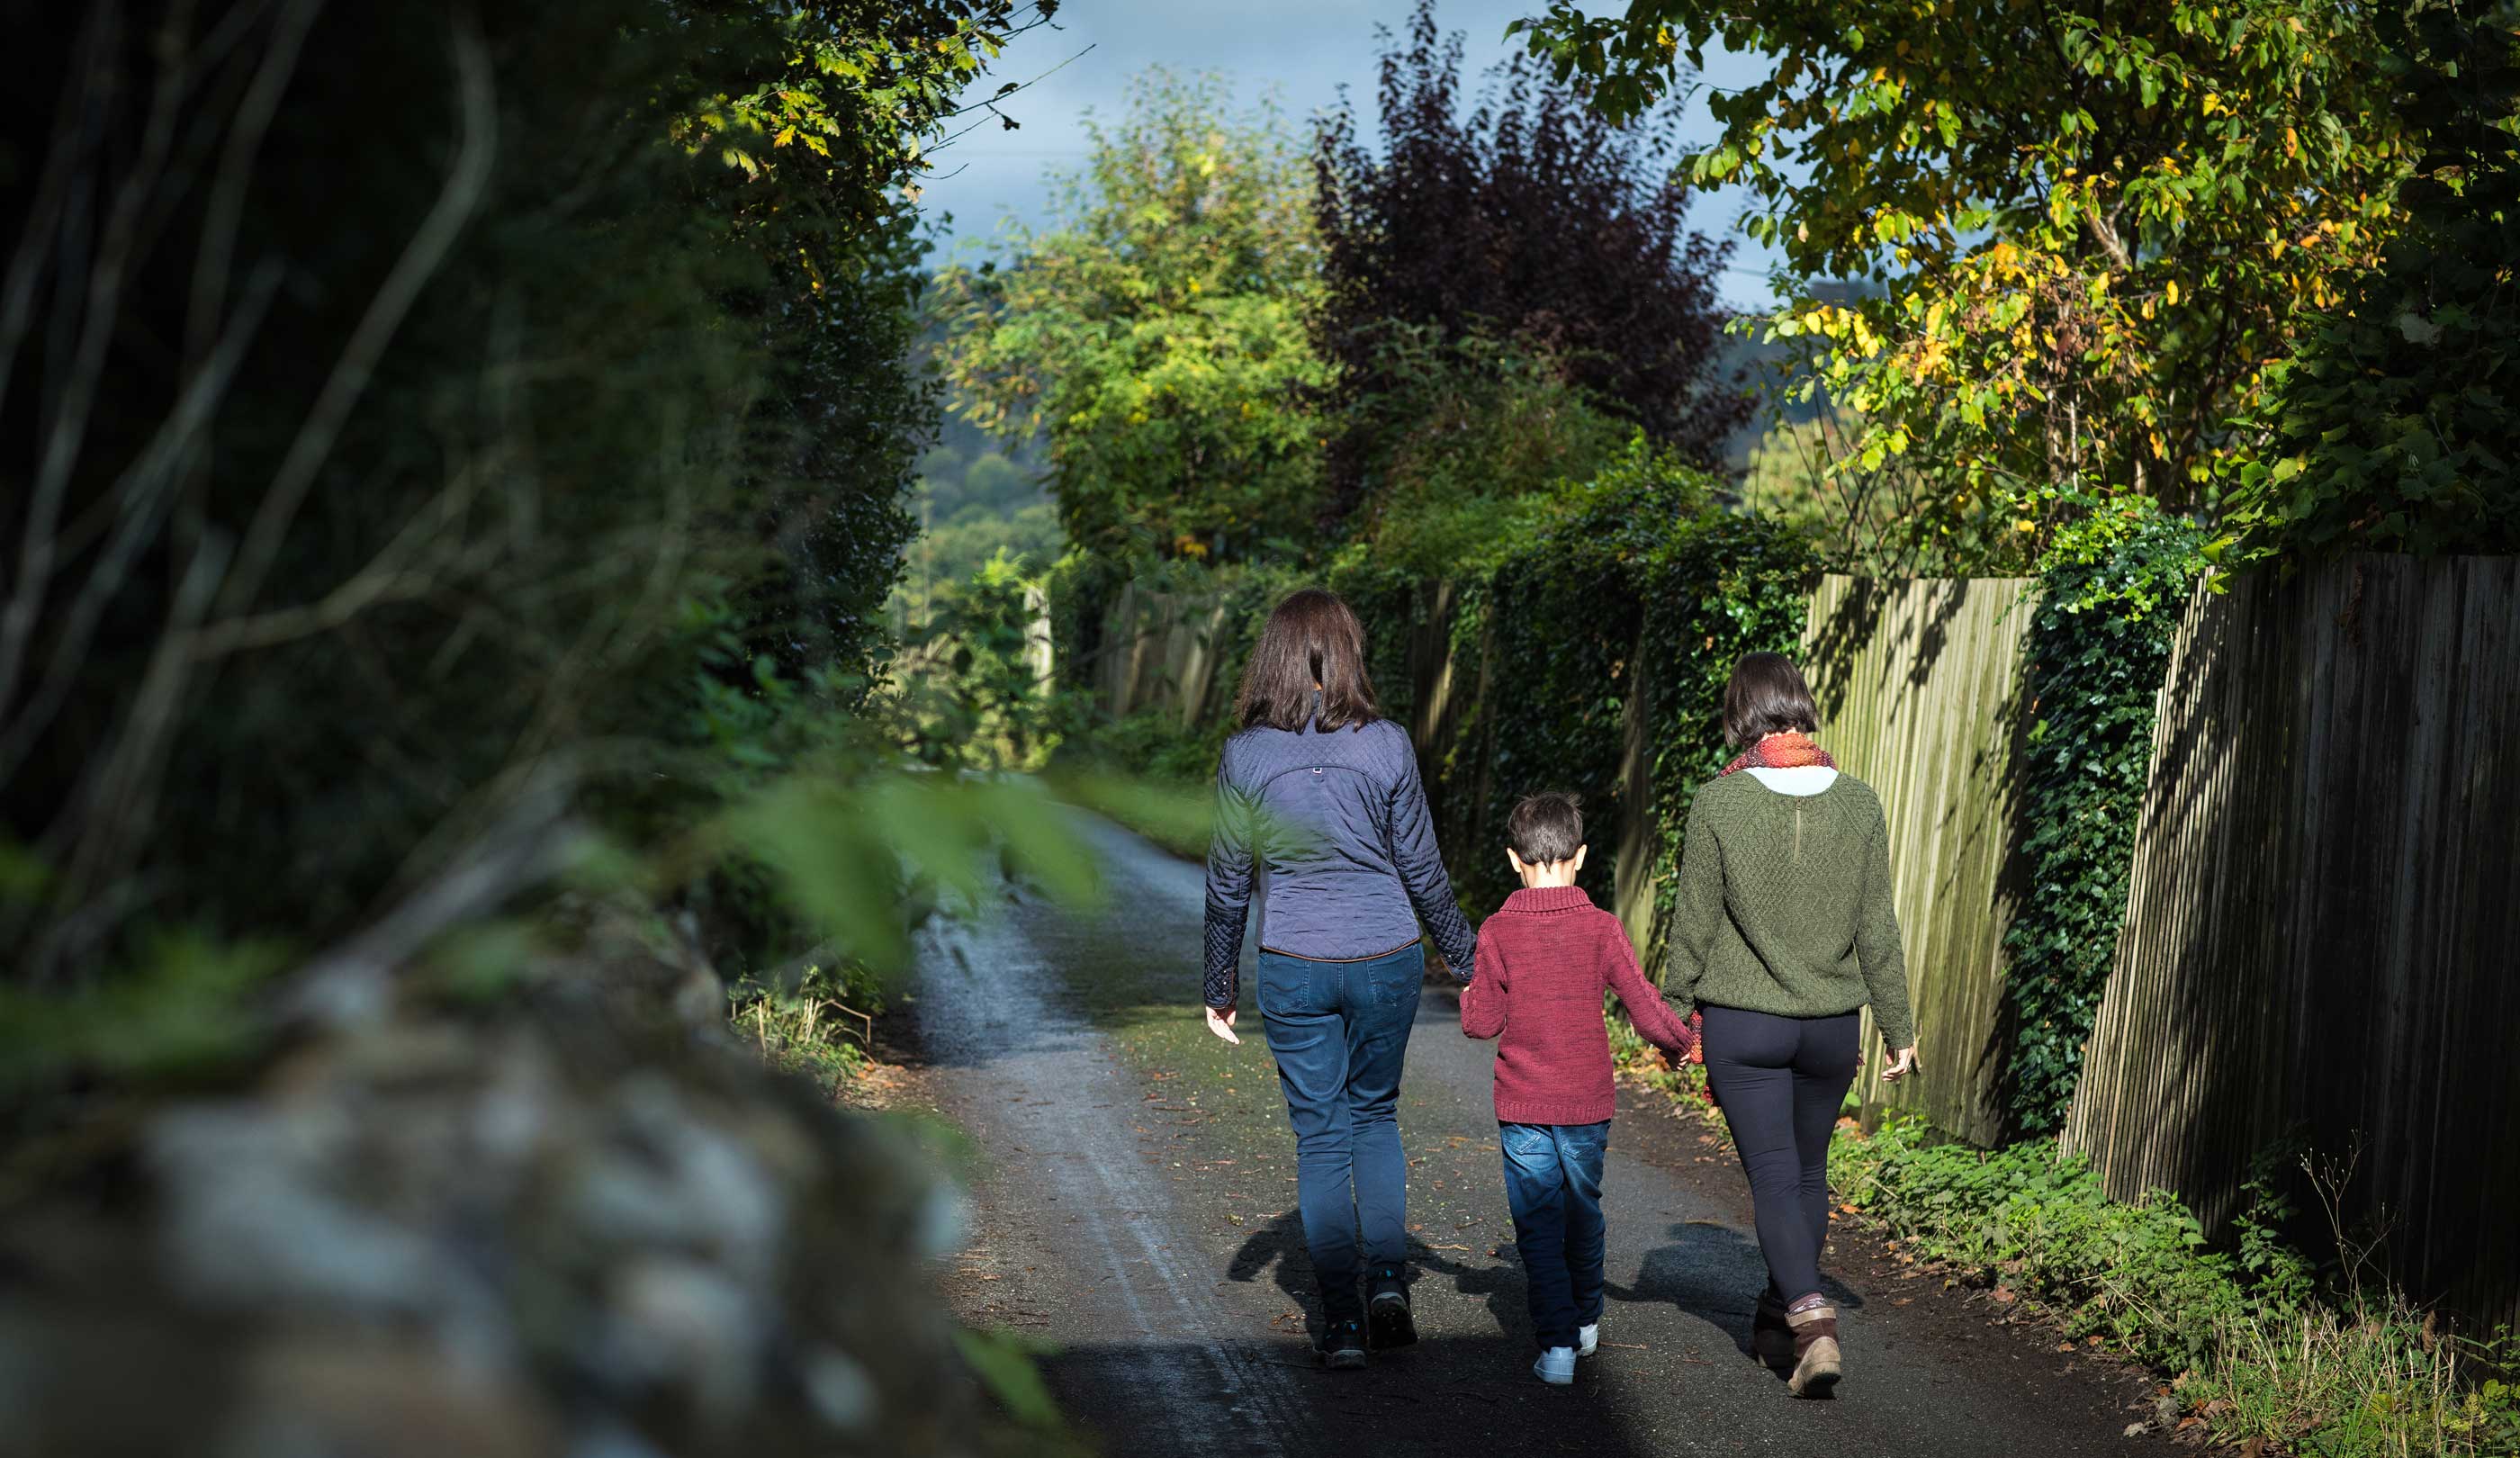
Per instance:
{"type": "Point", "coordinates": [1785, 905]}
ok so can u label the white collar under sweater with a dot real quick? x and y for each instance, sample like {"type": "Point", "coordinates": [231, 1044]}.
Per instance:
{"type": "Point", "coordinates": [1800, 779]}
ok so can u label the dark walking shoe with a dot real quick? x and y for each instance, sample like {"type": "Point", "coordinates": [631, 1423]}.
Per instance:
{"type": "Point", "coordinates": [1342, 1346]}
{"type": "Point", "coordinates": [1772, 1336]}
{"type": "Point", "coordinates": [1818, 1364]}
{"type": "Point", "coordinates": [1386, 1309]}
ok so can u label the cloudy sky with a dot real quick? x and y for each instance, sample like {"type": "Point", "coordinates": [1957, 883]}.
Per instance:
{"type": "Point", "coordinates": [1305, 49]}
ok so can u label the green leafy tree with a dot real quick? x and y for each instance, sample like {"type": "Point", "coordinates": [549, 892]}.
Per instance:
{"type": "Point", "coordinates": [971, 512]}
{"type": "Point", "coordinates": [2396, 424]}
{"type": "Point", "coordinates": [2097, 229]}
{"type": "Point", "coordinates": [1154, 340]}
{"type": "Point", "coordinates": [1460, 433]}
{"type": "Point", "coordinates": [330, 537]}
{"type": "Point", "coordinates": [975, 691]}
{"type": "Point", "coordinates": [813, 124]}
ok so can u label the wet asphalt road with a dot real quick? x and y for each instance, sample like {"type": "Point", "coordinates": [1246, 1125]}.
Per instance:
{"type": "Point", "coordinates": [1136, 1209]}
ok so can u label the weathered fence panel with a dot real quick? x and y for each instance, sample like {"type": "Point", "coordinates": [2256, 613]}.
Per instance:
{"type": "Point", "coordinates": [1917, 685]}
{"type": "Point", "coordinates": [2322, 935]}
{"type": "Point", "coordinates": [1159, 651]}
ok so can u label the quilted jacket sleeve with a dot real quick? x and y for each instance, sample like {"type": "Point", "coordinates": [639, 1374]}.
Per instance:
{"type": "Point", "coordinates": [1229, 852]}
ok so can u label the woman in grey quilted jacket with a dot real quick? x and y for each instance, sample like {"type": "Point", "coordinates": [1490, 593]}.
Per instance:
{"type": "Point", "coordinates": [1321, 795]}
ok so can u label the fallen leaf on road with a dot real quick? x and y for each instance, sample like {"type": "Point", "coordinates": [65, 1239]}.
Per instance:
{"type": "Point", "coordinates": [1463, 1249]}
{"type": "Point", "coordinates": [1902, 1300]}
{"type": "Point", "coordinates": [2004, 1294]}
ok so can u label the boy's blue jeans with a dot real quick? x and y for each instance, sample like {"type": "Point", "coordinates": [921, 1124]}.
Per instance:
{"type": "Point", "coordinates": [1339, 1032]}
{"type": "Point", "coordinates": [1552, 1181]}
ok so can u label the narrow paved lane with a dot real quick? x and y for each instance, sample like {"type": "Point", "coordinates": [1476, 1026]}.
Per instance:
{"type": "Point", "coordinates": [1136, 1208]}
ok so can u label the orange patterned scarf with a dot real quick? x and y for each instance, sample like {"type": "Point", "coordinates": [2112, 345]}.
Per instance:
{"type": "Point", "coordinates": [1788, 751]}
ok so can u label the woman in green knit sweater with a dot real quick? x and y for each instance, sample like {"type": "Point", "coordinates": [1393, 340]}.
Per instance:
{"type": "Point", "coordinates": [1784, 933]}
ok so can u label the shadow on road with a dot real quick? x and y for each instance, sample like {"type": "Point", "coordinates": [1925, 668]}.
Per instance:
{"type": "Point", "coordinates": [1444, 1393]}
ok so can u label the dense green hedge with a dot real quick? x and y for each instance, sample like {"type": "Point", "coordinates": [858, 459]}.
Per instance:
{"type": "Point", "coordinates": [1640, 567]}
{"type": "Point", "coordinates": [1636, 570]}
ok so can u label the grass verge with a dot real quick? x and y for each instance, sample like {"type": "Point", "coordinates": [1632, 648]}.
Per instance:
{"type": "Point", "coordinates": [2256, 1347]}
{"type": "Point", "coordinates": [1173, 814]}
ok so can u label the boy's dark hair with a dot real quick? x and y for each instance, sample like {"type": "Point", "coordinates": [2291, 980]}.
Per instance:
{"type": "Point", "coordinates": [1766, 695]}
{"type": "Point", "coordinates": [1312, 638]}
{"type": "Point", "coordinates": [1546, 829]}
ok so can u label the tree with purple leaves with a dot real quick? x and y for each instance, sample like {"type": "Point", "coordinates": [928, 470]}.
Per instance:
{"type": "Point", "coordinates": [1531, 221]}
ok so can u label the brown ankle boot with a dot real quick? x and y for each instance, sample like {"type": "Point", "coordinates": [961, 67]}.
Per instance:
{"type": "Point", "coordinates": [1817, 1363]}
{"type": "Point", "coordinates": [1772, 1336]}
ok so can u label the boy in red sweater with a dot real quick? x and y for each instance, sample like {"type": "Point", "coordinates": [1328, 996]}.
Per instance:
{"type": "Point", "coordinates": [1543, 962]}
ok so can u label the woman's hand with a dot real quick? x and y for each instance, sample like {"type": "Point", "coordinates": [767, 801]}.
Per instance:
{"type": "Point", "coordinates": [1895, 1069]}
{"type": "Point", "coordinates": [1220, 1021]}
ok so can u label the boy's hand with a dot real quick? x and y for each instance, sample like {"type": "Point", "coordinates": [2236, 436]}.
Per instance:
{"type": "Point", "coordinates": [1220, 1021]}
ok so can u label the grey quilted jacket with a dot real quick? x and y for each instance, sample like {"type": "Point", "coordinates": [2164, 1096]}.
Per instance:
{"type": "Point", "coordinates": [1338, 822]}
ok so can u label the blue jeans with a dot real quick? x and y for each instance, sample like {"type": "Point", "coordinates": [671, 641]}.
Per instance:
{"type": "Point", "coordinates": [1339, 1031]}
{"type": "Point", "coordinates": [1552, 1182]}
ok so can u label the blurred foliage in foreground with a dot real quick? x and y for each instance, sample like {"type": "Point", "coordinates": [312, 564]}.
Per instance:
{"type": "Point", "coordinates": [455, 460]}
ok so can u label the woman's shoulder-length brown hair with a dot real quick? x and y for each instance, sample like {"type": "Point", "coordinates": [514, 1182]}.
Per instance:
{"type": "Point", "coordinates": [1311, 638]}
{"type": "Point", "coordinates": [1766, 695]}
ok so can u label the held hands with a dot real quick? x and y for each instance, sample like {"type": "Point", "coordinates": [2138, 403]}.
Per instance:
{"type": "Point", "coordinates": [1220, 1021]}
{"type": "Point", "coordinates": [1895, 1069]}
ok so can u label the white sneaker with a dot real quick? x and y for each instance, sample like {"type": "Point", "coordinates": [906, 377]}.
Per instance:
{"type": "Point", "coordinates": [1587, 1338]}
{"type": "Point", "coordinates": [1556, 1366]}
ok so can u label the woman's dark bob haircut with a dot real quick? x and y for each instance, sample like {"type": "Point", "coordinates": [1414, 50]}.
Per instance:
{"type": "Point", "coordinates": [1766, 695]}
{"type": "Point", "coordinates": [1312, 638]}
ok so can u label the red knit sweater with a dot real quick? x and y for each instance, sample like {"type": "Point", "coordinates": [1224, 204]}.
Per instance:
{"type": "Point", "coordinates": [1543, 963]}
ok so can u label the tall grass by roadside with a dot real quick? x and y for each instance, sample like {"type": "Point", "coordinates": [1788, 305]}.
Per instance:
{"type": "Point", "coordinates": [820, 1025]}
{"type": "Point", "coordinates": [2258, 1346]}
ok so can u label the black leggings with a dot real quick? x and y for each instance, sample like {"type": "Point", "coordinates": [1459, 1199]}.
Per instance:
{"type": "Point", "coordinates": [1781, 1081]}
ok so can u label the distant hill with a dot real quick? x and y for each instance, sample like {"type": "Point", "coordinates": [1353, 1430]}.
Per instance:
{"type": "Point", "coordinates": [1754, 357]}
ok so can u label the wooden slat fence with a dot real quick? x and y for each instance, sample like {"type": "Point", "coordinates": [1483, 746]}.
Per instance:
{"type": "Point", "coordinates": [1918, 684]}
{"type": "Point", "coordinates": [2322, 936]}
{"type": "Point", "coordinates": [1160, 649]}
